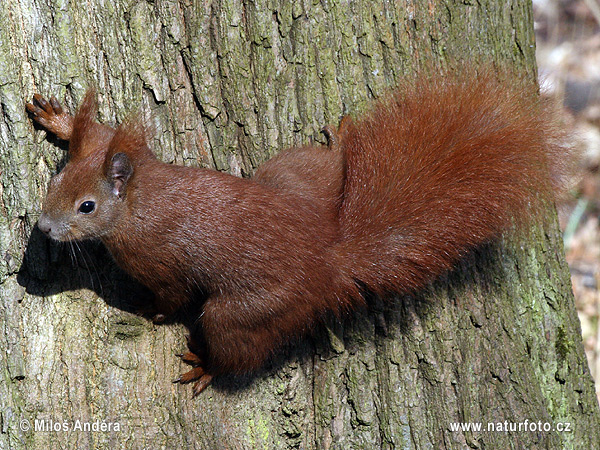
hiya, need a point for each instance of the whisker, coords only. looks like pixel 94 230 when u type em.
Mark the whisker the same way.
pixel 86 256
pixel 72 254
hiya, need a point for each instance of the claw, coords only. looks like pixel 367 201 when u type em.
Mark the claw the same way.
pixel 201 384
pixel 198 374
pixel 149 312
pixel 56 105
pixel 35 110
pixel 43 103
pixel 157 319
pixel 195 374
pixel 191 358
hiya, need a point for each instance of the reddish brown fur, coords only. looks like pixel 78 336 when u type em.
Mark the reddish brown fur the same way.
pixel 401 195
pixel 88 136
pixel 442 167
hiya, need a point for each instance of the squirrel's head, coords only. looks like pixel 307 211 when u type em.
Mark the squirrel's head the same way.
pixel 87 198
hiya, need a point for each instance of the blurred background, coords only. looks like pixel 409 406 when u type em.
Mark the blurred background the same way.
pixel 568 54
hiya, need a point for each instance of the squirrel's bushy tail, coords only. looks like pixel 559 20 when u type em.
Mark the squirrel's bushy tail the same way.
pixel 443 166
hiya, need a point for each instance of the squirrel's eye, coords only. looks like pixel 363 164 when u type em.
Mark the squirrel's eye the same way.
pixel 87 207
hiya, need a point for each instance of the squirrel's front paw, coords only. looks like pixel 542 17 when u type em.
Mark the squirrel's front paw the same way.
pixel 150 312
pixel 51 116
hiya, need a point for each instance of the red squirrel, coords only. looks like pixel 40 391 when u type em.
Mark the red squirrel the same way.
pixel 444 164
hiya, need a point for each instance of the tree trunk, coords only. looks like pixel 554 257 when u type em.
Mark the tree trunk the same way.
pixel 226 84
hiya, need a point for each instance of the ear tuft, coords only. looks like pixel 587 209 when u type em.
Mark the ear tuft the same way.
pixel 84 123
pixel 119 172
pixel 130 138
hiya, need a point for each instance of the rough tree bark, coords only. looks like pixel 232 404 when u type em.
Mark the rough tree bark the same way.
pixel 226 84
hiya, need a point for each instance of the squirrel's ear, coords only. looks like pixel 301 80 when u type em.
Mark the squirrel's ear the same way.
pixel 118 173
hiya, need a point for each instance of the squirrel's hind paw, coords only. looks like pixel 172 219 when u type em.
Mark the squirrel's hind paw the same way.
pixel 197 374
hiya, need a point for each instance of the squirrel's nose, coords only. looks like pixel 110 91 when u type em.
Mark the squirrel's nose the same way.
pixel 44 224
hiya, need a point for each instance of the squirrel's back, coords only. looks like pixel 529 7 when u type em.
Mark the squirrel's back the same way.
pixel 443 166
